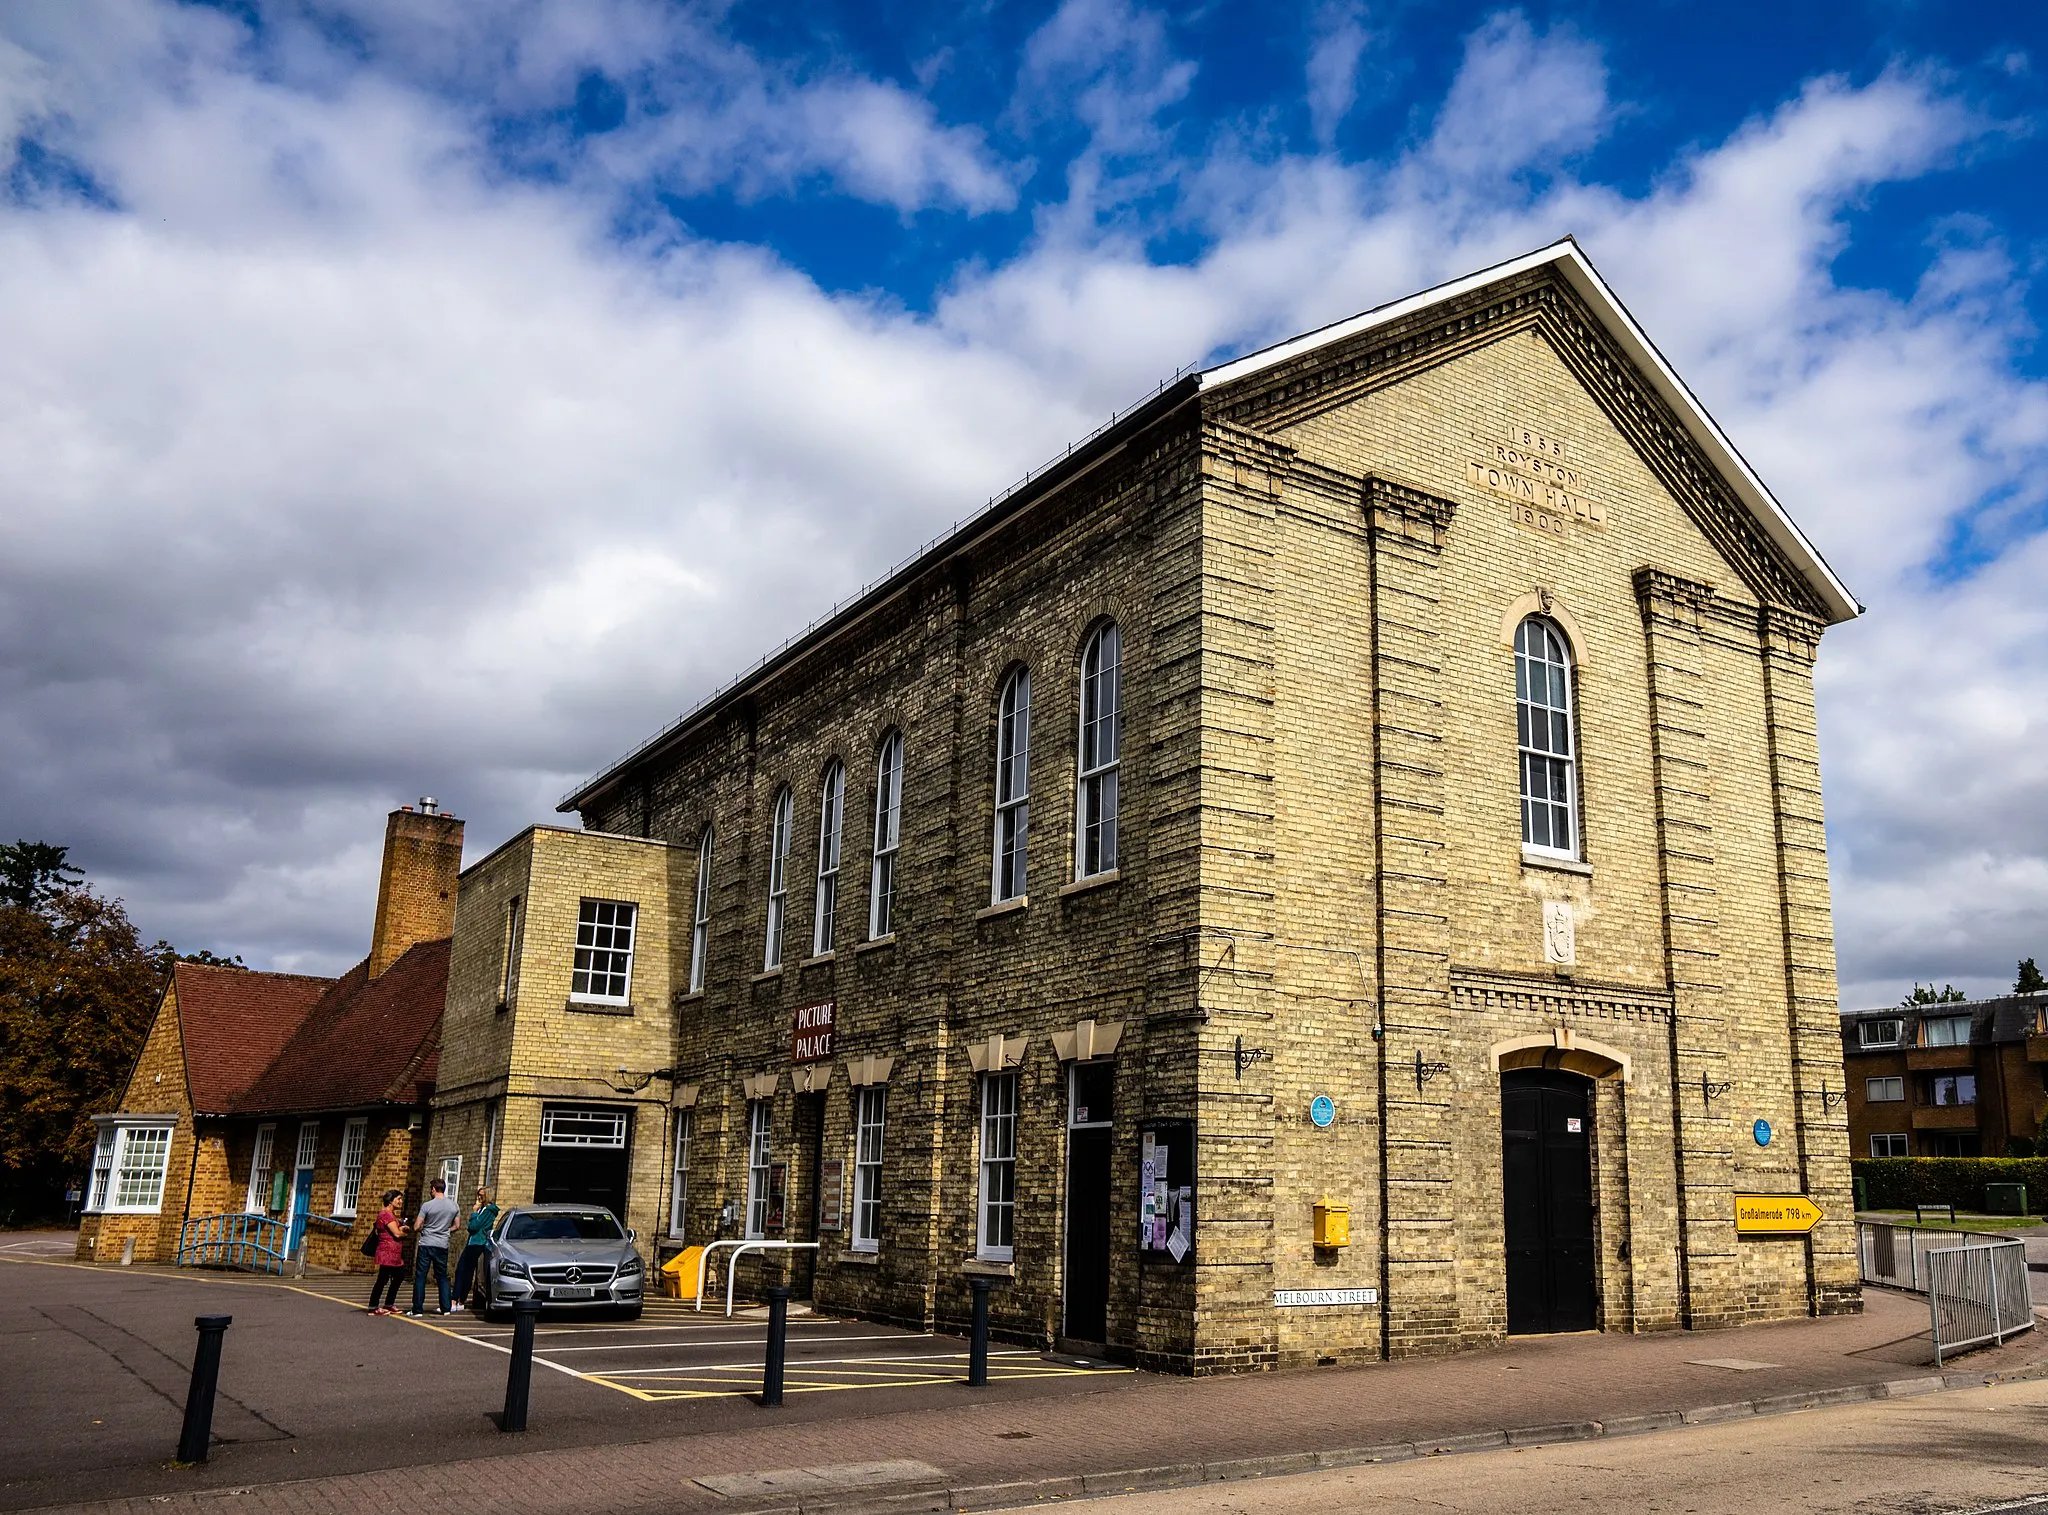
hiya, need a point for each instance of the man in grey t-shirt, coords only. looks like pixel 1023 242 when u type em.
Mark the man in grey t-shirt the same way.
pixel 432 1226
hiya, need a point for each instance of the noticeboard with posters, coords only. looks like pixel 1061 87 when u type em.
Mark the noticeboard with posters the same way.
pixel 1166 1191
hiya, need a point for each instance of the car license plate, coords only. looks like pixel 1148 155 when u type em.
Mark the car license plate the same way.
pixel 566 1293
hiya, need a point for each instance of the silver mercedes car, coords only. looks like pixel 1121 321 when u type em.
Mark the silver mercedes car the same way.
pixel 566 1256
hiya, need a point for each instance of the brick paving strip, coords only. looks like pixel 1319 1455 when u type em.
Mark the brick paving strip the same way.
pixel 987 1453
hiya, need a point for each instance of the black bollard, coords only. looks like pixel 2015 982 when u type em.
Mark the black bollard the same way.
pixel 198 1432
pixel 519 1376
pixel 778 1334
pixel 977 1340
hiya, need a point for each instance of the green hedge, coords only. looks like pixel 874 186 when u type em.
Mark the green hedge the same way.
pixel 1899 1183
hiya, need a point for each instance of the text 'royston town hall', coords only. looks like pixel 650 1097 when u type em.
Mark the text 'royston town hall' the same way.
pixel 1331 868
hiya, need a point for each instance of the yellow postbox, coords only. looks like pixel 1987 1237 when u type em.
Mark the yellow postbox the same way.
pixel 1333 1224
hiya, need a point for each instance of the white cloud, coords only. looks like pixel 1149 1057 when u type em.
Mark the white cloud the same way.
pixel 1332 73
pixel 341 467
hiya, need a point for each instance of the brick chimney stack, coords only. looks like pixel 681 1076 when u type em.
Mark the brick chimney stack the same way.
pixel 416 890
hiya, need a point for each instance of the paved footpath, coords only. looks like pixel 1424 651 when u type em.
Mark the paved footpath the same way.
pixel 947 1447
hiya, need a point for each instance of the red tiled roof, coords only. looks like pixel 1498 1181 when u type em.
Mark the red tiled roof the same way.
pixel 367 1042
pixel 235 1021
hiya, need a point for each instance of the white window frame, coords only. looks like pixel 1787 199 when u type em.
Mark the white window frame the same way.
pixel 508 981
pixel 1949 1023
pixel 781 823
pixel 1936 1080
pixel 1099 751
pixel 1888 1139
pixel 130 1165
pixel 1864 1029
pixel 870 1119
pixel 451 1177
pixel 760 1128
pixel 1886 1089
pixel 1009 875
pixel 1544 755
pixel 888 835
pixel 831 818
pixel 601 925
pixel 257 1200
pixel 348 1172
pixel 700 915
pixel 306 1155
pixel 995 1228
pixel 582 1126
pixel 679 1192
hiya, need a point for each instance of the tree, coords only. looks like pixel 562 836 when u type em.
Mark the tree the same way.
pixel 2029 980
pixel 77 991
pixel 1927 994
pixel 32 873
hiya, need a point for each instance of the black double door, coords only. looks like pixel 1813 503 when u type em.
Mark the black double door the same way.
pixel 1547 1155
pixel 1091 1110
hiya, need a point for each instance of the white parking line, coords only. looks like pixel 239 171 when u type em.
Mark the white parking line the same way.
pixel 645 1346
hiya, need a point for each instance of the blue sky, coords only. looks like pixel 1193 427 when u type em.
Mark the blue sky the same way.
pixel 406 399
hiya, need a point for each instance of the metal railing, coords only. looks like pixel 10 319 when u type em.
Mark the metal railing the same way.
pixel 732 1267
pixel 239 1240
pixel 1977 1294
pixel 1975 1282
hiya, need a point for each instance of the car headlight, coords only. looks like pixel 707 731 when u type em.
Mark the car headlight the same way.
pixel 632 1267
pixel 509 1267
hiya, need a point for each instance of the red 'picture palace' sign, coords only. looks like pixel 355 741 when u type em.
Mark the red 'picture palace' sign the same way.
pixel 810 1036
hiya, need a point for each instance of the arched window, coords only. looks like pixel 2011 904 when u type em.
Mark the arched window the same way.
pixel 1013 785
pixel 831 809
pixel 888 831
pixel 700 915
pixel 778 875
pixel 1101 744
pixel 1543 719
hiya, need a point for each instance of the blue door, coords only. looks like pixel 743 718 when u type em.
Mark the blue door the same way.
pixel 302 1202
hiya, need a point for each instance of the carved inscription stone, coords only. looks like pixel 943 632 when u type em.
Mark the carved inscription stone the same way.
pixel 1534 472
pixel 1560 933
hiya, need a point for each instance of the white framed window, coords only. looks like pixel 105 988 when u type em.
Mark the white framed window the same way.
pixel 869 1111
pixel 1100 751
pixel 1881 1033
pixel 888 832
pixel 1543 722
pixel 1013 786
pixel 309 1145
pixel 451 1177
pixel 258 1198
pixel 700 915
pixel 1889 1090
pixel 348 1177
pixel 996 1228
pixel 1952 1089
pixel 779 827
pixel 580 1126
pixel 1888 1144
pixel 604 952
pixel 508 980
pixel 760 1113
pixel 679 1191
pixel 128 1168
pixel 831 811
pixel 1945 1031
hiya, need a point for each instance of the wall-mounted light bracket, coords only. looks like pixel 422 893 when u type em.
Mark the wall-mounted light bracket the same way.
pixel 1424 1072
pixel 1709 1092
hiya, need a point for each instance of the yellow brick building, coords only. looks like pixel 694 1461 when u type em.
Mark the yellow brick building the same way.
pixel 1331 868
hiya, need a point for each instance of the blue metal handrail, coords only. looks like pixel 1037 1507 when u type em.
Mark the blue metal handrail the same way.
pixel 238 1240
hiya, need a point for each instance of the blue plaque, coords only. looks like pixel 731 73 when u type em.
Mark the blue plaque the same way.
pixel 1763 1133
pixel 1323 1110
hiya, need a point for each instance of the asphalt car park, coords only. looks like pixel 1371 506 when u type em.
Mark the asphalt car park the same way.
pixel 676 1352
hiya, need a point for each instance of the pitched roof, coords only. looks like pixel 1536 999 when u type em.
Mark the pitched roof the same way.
pixel 367 1042
pixel 234 1022
pixel 1563 258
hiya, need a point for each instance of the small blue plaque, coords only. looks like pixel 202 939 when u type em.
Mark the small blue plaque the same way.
pixel 1323 1110
pixel 1763 1133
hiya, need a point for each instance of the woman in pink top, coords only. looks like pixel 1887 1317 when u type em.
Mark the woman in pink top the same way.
pixel 390 1231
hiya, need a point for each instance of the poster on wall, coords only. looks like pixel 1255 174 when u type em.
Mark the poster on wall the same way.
pixel 1166 1190
pixel 778 1192
pixel 832 1194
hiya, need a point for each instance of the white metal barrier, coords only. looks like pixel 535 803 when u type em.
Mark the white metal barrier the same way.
pixel 1977 1294
pixel 732 1267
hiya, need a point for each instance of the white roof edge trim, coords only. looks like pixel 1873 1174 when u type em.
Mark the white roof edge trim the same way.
pixel 1841 604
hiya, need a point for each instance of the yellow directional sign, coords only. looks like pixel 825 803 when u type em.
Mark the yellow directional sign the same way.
pixel 1775 1214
